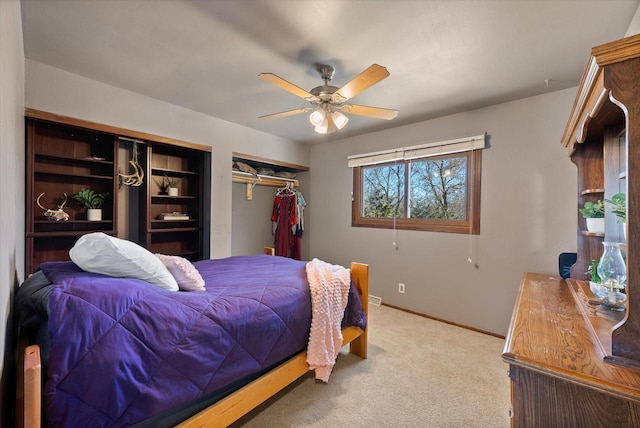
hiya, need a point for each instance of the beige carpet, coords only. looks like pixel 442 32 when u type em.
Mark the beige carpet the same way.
pixel 420 373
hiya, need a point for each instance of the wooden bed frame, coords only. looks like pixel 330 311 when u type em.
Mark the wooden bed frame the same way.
pixel 227 410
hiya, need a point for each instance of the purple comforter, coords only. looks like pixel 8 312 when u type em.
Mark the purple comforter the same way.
pixel 123 350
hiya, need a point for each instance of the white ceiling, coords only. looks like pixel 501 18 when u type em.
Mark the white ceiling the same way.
pixel 444 56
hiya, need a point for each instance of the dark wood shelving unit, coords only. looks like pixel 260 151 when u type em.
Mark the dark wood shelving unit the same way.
pixel 66 154
pixel 168 197
pixel 62 160
pixel 187 238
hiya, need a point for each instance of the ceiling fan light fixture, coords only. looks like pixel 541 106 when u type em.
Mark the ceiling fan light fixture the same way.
pixel 339 119
pixel 323 127
pixel 327 102
pixel 317 117
pixel 331 126
pixel 327 120
pixel 327 126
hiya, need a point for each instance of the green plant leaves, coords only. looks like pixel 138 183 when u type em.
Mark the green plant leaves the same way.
pixel 593 271
pixel 619 201
pixel 90 199
pixel 593 210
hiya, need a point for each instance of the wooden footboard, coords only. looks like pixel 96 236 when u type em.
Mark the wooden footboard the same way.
pixel 230 408
pixel 30 388
pixel 247 398
pixel 358 341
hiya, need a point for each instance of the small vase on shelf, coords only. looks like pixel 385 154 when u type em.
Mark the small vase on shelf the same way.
pixel 595 225
pixel 173 191
pixel 593 212
pixel 94 214
pixel 613 274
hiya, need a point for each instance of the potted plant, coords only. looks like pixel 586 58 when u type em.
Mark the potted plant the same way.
pixel 619 202
pixel 173 182
pixel 162 185
pixel 92 201
pixel 593 212
pixel 168 185
pixel 595 283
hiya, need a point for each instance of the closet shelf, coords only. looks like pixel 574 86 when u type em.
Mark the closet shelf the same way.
pixel 260 180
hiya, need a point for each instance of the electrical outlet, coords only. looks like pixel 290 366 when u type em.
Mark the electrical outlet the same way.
pixel 401 288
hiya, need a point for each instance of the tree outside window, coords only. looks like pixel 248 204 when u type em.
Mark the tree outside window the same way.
pixel 436 193
pixel 383 190
pixel 439 188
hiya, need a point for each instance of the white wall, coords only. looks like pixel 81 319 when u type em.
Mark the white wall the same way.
pixel 57 91
pixel 528 214
pixel 12 169
pixel 252 218
pixel 634 27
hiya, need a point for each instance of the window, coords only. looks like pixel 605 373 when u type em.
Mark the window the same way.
pixel 435 193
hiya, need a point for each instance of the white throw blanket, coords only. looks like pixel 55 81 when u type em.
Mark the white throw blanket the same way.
pixel 329 286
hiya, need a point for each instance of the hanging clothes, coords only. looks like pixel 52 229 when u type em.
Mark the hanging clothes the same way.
pixel 298 228
pixel 300 204
pixel 284 218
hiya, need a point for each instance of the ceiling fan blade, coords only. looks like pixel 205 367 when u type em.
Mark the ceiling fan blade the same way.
pixel 362 81
pixel 378 113
pixel 286 113
pixel 287 86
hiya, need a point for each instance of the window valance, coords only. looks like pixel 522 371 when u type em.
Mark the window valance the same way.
pixel 420 151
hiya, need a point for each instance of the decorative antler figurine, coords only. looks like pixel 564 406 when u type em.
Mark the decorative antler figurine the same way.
pixel 134 179
pixel 57 215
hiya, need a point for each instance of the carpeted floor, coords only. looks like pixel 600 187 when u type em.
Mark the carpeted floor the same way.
pixel 419 373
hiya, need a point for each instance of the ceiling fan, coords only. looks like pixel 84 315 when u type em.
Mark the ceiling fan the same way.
pixel 328 102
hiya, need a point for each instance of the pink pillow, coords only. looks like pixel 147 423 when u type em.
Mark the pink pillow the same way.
pixel 186 274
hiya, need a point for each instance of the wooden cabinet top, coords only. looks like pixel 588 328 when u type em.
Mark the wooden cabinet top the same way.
pixel 549 334
pixel 592 107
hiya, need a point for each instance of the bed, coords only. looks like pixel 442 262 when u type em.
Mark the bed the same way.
pixel 170 385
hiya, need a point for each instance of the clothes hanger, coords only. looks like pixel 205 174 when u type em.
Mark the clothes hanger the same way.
pixel 286 191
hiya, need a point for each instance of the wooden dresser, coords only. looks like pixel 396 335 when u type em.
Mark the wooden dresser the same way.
pixel 568 366
pixel 556 360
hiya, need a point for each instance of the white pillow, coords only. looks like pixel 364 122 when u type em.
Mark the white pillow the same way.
pixel 101 253
pixel 184 272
